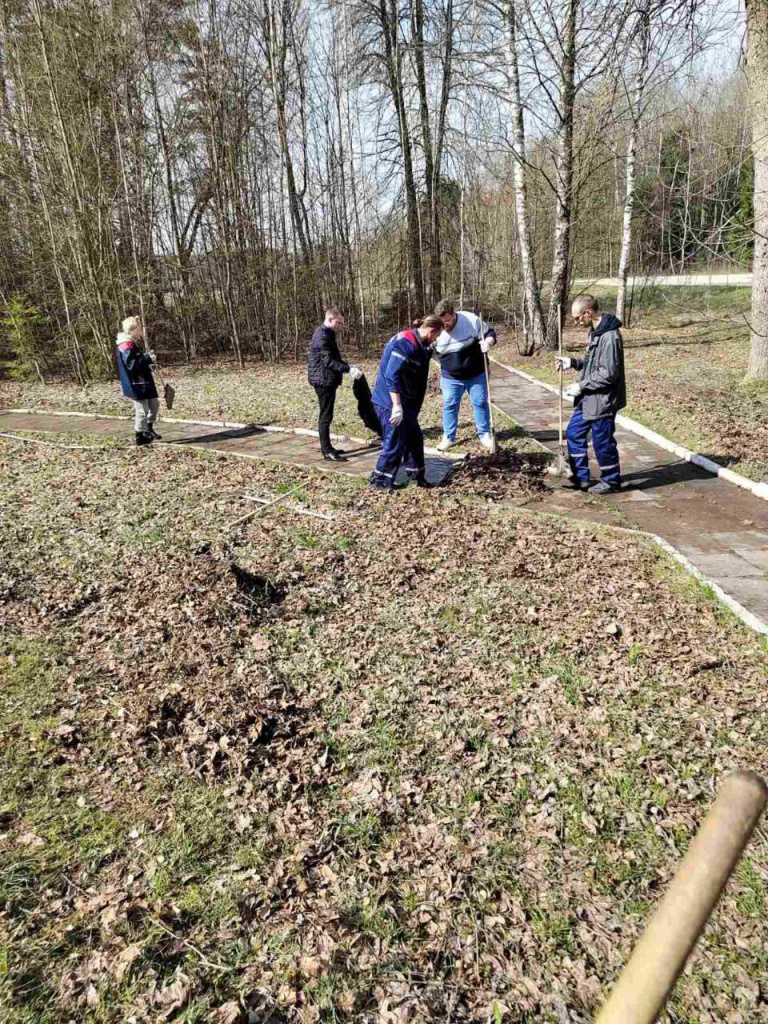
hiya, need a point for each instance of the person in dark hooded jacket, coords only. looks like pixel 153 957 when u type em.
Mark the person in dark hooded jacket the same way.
pixel 598 395
pixel 325 368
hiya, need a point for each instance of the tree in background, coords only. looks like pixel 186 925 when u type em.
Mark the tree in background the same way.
pixel 757 70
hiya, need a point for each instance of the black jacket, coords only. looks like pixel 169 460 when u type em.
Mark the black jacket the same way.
pixel 604 387
pixel 325 365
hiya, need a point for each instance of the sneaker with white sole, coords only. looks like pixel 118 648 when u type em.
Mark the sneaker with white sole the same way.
pixel 486 440
pixel 445 444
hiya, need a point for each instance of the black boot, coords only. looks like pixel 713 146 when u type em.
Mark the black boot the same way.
pixel 423 482
pixel 334 456
pixel 154 434
pixel 142 438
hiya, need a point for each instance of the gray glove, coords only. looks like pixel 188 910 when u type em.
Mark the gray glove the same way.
pixel 563 362
pixel 355 373
pixel 573 390
pixel 397 415
pixel 152 357
pixel 486 344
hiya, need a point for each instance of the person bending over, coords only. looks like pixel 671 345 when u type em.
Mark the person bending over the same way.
pixel 325 369
pixel 598 395
pixel 398 394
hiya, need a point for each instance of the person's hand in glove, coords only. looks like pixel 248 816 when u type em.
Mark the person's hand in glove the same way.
pixel 486 344
pixel 573 390
pixel 397 415
pixel 563 362
pixel 152 357
pixel 355 373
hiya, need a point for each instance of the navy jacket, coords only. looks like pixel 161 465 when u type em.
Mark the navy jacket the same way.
pixel 603 384
pixel 135 369
pixel 404 370
pixel 325 365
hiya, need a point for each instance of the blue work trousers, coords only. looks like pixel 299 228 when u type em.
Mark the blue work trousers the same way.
pixel 401 444
pixel 604 443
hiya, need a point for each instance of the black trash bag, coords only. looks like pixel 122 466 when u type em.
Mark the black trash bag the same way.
pixel 365 409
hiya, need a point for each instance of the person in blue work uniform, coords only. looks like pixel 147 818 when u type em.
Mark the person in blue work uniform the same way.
pixel 398 394
pixel 462 348
pixel 134 365
pixel 598 395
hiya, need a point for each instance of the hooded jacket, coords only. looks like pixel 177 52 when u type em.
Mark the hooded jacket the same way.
pixel 135 369
pixel 603 385
pixel 404 371
pixel 325 365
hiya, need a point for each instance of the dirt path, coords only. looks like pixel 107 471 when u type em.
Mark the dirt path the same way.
pixel 720 528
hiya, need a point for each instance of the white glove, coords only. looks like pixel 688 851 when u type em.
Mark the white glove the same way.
pixel 355 373
pixel 563 362
pixel 573 390
pixel 152 357
pixel 397 415
pixel 486 344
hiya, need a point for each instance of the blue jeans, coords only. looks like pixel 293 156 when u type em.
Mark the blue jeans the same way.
pixel 403 444
pixel 453 392
pixel 604 443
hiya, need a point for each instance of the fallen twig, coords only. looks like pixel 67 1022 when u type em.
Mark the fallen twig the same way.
pixel 292 508
pixel 263 508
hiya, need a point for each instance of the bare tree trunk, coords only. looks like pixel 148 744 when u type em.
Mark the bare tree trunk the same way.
pixel 630 177
pixel 757 70
pixel 563 176
pixel 534 315
pixel 389 21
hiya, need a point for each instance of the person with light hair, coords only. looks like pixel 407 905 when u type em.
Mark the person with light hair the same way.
pixel 325 369
pixel 598 395
pixel 134 366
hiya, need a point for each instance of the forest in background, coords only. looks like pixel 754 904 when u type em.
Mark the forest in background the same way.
pixel 228 168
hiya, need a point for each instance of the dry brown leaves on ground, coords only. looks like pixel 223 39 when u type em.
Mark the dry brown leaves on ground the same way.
pixel 429 762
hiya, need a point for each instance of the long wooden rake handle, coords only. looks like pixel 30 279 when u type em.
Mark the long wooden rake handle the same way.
pixel 665 945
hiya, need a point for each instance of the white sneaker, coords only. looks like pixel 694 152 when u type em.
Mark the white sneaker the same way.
pixel 445 444
pixel 486 440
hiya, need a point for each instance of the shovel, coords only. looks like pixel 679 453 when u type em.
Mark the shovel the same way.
pixel 490 403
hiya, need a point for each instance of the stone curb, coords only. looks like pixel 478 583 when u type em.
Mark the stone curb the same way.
pixel 758 488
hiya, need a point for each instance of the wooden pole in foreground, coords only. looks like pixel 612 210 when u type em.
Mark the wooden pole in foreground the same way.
pixel 665 945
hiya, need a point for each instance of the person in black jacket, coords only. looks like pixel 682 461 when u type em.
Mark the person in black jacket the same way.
pixel 598 395
pixel 324 370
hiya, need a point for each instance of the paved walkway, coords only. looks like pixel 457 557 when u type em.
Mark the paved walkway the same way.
pixel 720 528
pixel 741 279
pixel 254 442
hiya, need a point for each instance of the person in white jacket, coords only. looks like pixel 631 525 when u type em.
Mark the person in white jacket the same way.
pixel 461 348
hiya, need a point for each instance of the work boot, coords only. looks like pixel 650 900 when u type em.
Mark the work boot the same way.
pixel 154 434
pixel 602 487
pixel 334 456
pixel 573 483
pixel 422 482
pixel 445 444
pixel 142 438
